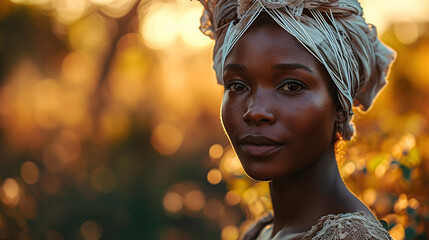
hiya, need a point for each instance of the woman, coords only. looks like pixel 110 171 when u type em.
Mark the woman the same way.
pixel 292 70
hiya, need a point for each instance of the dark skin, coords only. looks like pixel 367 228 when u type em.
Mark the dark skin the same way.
pixel 279 112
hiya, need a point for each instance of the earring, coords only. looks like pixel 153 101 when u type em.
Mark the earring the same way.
pixel 339 127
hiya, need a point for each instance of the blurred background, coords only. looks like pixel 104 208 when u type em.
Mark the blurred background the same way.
pixel 109 125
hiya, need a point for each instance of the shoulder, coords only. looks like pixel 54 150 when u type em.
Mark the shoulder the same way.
pixel 351 226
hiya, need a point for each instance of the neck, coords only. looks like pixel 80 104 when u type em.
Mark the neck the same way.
pixel 301 199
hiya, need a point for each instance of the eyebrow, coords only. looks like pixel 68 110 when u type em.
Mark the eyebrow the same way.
pixel 280 66
pixel 235 67
pixel 291 66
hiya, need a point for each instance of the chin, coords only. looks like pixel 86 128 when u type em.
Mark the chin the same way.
pixel 258 174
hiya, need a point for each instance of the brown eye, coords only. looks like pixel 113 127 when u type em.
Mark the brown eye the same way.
pixel 236 87
pixel 291 87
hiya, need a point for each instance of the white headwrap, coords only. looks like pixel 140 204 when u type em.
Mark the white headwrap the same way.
pixel 333 31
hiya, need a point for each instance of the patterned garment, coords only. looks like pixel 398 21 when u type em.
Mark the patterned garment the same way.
pixel 348 226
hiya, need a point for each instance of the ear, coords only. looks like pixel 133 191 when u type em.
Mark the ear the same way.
pixel 340 116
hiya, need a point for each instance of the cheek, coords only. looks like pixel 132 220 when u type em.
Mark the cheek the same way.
pixel 228 118
pixel 316 120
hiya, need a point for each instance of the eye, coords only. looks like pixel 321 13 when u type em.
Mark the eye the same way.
pixel 235 86
pixel 291 86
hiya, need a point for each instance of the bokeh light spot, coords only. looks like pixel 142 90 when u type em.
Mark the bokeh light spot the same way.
pixel 413 203
pixel 195 200
pixel 117 8
pixel 401 203
pixel 173 202
pixel 231 164
pixel 166 138
pixel 216 151
pixel 232 198
pixel 230 232
pixel 369 196
pixel 69 11
pixel 160 27
pixel 380 170
pixel 90 230
pixel 406 32
pixel 250 195
pixel 190 32
pixel 214 176
pixel 30 172
pixel 11 192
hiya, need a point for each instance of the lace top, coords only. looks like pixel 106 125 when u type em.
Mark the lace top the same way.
pixel 348 226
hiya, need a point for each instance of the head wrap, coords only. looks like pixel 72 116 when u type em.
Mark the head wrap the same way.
pixel 333 31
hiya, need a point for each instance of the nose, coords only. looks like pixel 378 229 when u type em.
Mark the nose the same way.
pixel 258 112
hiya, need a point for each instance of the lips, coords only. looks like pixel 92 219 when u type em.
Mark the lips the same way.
pixel 259 146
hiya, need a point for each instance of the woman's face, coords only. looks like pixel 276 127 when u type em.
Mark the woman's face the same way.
pixel 277 108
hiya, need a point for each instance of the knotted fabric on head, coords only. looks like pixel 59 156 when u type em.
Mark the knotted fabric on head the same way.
pixel 333 31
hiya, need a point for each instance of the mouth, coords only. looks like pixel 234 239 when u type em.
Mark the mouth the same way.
pixel 259 146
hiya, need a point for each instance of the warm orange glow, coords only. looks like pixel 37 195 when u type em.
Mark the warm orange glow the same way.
pixel 102 2
pixel 68 11
pixel 369 196
pixel 380 170
pixel 250 195
pixel 401 203
pixel 115 124
pixel 232 198
pixel 413 203
pixel 127 81
pixel 173 202
pixel 214 176
pixel 79 71
pixel 55 158
pixel 382 13
pixel 230 232
pixel 166 138
pixel 195 200
pixel 397 232
pixel 71 144
pixel 160 27
pixel 406 32
pixel 216 151
pixel 190 24
pixel 46 102
pixel 30 172
pixel 117 8
pixel 11 192
pixel 163 26
pixel 257 207
pixel 230 164
pixel 348 169
pixel 91 230
pixel 101 79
